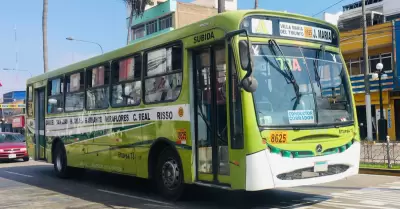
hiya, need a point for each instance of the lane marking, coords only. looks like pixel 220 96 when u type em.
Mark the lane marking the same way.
pixel 135 197
pixel 18 174
pixel 154 205
pixel 387 176
pixel 353 205
pixel 372 202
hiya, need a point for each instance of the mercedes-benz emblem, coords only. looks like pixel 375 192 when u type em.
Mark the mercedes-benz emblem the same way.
pixel 318 148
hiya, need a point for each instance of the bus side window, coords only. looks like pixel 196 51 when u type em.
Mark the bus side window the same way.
pixel 163 74
pixel 126 81
pixel 236 122
pixel 97 91
pixel 75 93
pixel 55 102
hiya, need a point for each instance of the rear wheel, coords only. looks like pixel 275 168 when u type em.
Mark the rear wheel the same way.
pixel 169 175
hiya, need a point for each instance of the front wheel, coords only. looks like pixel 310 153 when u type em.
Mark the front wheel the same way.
pixel 60 161
pixel 26 159
pixel 169 175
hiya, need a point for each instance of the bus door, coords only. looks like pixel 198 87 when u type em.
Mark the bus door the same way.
pixel 40 138
pixel 212 164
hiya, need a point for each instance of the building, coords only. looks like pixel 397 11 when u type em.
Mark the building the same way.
pixel 15 102
pixel 381 34
pixel 166 15
pixel 332 18
pixel 13 96
pixel 377 12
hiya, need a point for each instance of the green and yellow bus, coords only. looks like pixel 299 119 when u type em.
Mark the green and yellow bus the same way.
pixel 244 100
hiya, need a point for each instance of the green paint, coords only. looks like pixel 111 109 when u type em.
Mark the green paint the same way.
pixel 103 149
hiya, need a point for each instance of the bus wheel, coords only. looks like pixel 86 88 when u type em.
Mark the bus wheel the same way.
pixel 169 175
pixel 60 161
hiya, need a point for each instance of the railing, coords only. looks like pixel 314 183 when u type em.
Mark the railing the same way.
pixel 357 82
pixel 377 153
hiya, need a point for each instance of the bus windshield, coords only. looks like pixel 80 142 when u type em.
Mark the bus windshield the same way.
pixel 323 96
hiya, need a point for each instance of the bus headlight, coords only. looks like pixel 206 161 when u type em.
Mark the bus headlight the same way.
pixel 23 149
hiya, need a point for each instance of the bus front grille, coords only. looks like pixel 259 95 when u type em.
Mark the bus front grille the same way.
pixel 306 173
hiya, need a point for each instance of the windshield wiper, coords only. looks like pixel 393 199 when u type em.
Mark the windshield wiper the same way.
pixel 316 65
pixel 288 74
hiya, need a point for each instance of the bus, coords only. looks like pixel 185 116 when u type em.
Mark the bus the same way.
pixel 244 100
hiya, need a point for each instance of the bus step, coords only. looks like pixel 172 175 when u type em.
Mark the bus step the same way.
pixel 212 185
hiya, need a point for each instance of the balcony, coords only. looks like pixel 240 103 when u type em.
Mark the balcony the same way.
pixel 358 85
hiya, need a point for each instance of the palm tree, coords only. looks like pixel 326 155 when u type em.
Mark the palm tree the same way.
pixel 137 8
pixel 44 30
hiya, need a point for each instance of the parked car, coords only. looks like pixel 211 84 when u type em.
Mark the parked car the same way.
pixel 13 146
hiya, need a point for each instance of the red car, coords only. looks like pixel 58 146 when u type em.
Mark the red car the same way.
pixel 13 146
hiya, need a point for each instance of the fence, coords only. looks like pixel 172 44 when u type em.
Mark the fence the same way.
pixel 377 153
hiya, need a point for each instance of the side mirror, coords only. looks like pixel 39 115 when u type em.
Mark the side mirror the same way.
pixel 249 83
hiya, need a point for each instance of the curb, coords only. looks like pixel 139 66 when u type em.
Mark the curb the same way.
pixel 377 171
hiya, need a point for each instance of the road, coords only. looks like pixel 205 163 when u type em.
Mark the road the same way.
pixel 33 185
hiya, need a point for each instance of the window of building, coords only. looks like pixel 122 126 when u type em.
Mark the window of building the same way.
pixel 75 93
pixel 163 75
pixel 166 22
pixel 97 92
pixel 126 81
pixel 386 60
pixel 356 66
pixel 151 27
pixel 55 101
pixel 138 32
pixel 373 61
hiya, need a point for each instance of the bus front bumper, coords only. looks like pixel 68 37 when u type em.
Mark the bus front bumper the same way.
pixel 266 170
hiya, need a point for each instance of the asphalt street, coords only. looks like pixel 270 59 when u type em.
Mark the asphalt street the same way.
pixel 33 185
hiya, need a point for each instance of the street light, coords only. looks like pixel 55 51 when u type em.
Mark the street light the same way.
pixel 382 122
pixel 73 39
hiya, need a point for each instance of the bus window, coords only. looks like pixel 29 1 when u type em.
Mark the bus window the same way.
pixel 75 93
pixel 163 81
pixel 97 87
pixel 55 102
pixel 126 80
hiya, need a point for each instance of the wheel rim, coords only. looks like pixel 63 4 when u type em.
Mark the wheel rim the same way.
pixel 58 163
pixel 171 174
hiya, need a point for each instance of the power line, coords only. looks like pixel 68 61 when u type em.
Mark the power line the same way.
pixel 328 7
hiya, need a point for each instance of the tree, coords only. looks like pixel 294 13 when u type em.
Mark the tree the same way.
pixel 44 31
pixel 137 8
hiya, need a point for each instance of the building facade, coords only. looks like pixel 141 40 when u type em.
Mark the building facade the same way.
pixel 166 15
pixel 382 32
pixel 11 111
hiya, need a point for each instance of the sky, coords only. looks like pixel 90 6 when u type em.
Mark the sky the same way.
pixel 101 21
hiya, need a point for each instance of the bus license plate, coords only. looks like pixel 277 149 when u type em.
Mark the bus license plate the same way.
pixel 12 156
pixel 320 166
pixel 278 137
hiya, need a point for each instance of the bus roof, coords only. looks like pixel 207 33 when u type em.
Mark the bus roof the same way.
pixel 226 21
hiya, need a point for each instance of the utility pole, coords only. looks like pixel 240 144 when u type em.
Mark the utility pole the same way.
pixel 221 6
pixel 255 4
pixel 366 76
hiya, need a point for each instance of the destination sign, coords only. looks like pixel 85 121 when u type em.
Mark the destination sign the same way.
pixel 289 28
pixel 305 32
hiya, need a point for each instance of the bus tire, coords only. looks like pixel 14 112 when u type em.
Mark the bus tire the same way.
pixel 60 161
pixel 169 175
